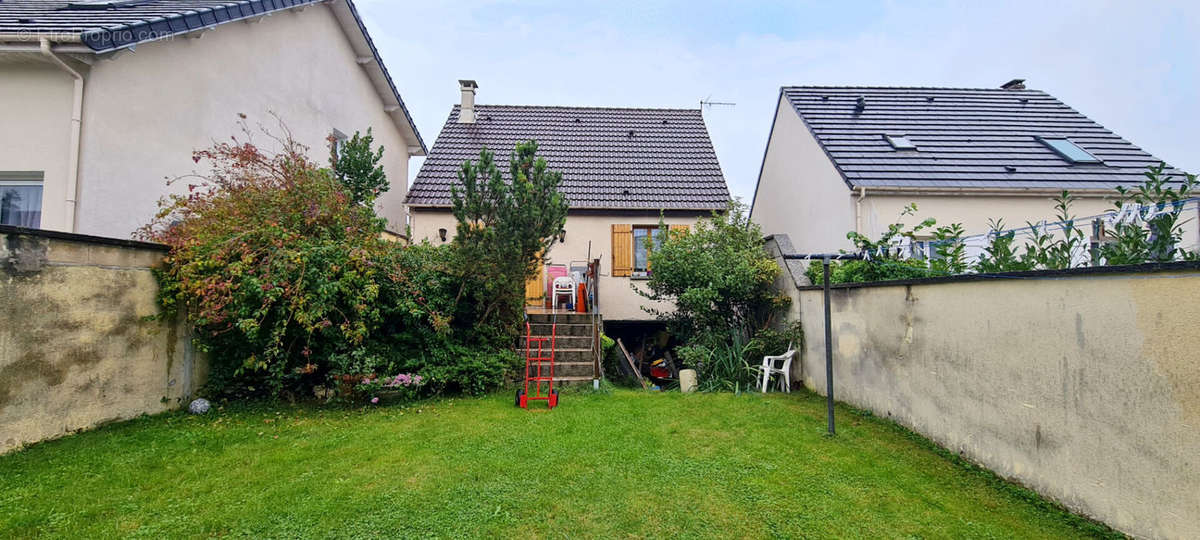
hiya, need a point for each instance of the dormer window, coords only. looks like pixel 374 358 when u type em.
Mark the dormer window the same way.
pixel 900 142
pixel 1068 150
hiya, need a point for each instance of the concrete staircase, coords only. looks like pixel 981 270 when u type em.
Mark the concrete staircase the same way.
pixel 575 357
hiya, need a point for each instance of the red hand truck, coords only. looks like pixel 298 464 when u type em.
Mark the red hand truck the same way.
pixel 537 375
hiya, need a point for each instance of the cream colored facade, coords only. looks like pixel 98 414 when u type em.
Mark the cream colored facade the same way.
pixel 146 110
pixel 801 194
pixel 618 301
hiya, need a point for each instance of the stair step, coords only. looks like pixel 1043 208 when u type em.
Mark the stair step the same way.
pixel 564 342
pixel 564 329
pixel 571 318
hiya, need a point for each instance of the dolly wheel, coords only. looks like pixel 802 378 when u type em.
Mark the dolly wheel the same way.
pixel 553 401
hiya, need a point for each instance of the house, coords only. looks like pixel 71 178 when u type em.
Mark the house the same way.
pixel 622 169
pixel 845 159
pixel 103 100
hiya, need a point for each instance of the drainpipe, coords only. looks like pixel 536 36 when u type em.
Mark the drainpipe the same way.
pixel 76 129
pixel 862 193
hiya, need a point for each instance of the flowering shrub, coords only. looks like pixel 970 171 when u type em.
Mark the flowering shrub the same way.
pixel 287 284
pixel 278 271
pixel 402 387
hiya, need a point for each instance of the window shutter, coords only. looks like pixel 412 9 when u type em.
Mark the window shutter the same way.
pixel 679 229
pixel 622 250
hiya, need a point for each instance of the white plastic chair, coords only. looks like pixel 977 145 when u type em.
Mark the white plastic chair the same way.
pixel 770 367
pixel 562 285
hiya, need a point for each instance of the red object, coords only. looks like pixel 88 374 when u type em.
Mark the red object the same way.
pixel 537 376
pixel 581 298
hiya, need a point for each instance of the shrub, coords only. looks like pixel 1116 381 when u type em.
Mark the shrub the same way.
pixel 277 270
pixel 719 277
pixel 357 167
pixel 503 229
pixel 1137 239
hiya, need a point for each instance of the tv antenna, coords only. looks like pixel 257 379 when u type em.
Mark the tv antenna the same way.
pixel 709 103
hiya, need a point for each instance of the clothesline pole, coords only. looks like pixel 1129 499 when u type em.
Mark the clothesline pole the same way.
pixel 825 258
pixel 828 349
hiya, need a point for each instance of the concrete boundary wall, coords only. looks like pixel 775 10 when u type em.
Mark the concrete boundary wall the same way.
pixel 77 346
pixel 1084 386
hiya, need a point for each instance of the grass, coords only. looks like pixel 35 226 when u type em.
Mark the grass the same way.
pixel 601 465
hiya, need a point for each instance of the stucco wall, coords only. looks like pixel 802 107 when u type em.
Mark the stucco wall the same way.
pixel 618 300
pixel 35 112
pixel 799 191
pixel 145 111
pixel 75 348
pixel 1084 388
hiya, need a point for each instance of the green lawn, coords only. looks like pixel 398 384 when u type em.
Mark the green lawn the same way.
pixel 600 465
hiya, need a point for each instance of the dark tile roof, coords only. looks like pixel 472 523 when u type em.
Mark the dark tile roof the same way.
pixel 965 138
pixel 110 25
pixel 610 158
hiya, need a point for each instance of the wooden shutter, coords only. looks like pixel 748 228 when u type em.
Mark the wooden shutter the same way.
pixel 622 250
pixel 678 229
pixel 535 288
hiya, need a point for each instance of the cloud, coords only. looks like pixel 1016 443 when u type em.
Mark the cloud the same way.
pixel 1130 66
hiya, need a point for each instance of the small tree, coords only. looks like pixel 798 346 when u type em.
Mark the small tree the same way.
pixel 719 277
pixel 504 226
pixel 358 168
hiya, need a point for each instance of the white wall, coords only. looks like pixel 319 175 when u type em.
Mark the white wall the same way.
pixel 145 111
pixel 35 128
pixel 799 192
pixel 618 301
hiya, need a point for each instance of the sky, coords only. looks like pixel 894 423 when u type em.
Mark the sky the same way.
pixel 1131 66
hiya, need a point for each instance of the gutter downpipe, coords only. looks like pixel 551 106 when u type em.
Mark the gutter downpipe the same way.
pixel 76 130
pixel 862 194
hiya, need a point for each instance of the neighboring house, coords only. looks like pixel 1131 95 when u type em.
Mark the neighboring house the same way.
pixel 622 169
pixel 845 159
pixel 103 100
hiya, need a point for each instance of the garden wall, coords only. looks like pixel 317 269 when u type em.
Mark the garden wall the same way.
pixel 76 347
pixel 1083 385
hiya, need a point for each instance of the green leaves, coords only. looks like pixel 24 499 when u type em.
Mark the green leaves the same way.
pixel 718 276
pixel 358 168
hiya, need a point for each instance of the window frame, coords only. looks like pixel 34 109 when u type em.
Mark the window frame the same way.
pixel 27 179
pixel 652 231
pixel 1048 142
pixel 900 142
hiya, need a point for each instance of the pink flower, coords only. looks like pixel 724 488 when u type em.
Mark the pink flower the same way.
pixel 374 400
pixel 366 381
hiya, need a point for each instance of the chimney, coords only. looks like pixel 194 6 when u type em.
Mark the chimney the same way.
pixel 466 114
pixel 1015 84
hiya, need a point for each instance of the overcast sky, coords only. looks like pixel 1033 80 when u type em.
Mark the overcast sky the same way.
pixel 1131 66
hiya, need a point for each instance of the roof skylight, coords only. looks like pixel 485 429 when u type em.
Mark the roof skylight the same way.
pixel 1068 150
pixel 900 142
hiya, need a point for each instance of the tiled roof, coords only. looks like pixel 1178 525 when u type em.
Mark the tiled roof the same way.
pixel 109 25
pixel 610 158
pixel 964 138
pixel 105 26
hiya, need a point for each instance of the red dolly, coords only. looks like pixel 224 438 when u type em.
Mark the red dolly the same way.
pixel 536 376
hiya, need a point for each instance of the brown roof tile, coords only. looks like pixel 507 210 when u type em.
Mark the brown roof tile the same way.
pixel 611 158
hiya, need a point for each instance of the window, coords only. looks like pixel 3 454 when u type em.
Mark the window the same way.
pixel 900 142
pixel 632 246
pixel 339 140
pixel 1068 150
pixel 21 199
pixel 645 239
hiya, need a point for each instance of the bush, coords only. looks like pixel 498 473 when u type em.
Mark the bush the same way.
pixel 719 277
pixel 277 270
pixel 287 283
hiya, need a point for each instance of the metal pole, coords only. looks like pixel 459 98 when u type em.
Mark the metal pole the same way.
pixel 828 350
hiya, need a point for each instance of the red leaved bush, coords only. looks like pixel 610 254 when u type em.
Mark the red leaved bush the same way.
pixel 279 272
